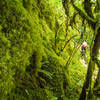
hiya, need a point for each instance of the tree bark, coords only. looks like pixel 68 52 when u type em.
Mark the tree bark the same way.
pixel 87 83
pixel 96 58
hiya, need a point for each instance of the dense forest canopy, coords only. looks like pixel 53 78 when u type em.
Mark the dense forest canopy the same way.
pixel 41 55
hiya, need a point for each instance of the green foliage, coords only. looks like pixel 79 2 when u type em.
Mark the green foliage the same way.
pixel 18 42
pixel 32 65
pixel 53 98
pixel 46 73
pixel 77 74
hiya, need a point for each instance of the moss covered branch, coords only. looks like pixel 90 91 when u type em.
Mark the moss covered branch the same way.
pixel 84 15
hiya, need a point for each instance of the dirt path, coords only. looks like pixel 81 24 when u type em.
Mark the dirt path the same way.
pixel 95 71
pixel 83 62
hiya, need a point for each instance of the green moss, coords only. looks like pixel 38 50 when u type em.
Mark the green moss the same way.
pixel 19 40
pixel 27 37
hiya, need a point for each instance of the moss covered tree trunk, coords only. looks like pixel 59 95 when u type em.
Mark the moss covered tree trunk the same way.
pixel 87 83
pixel 27 4
pixel 96 58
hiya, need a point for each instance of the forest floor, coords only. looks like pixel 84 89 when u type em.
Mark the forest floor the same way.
pixel 84 62
pixel 78 70
pixel 86 65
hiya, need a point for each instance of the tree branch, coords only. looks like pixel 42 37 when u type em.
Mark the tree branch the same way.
pixel 68 42
pixel 87 7
pixel 84 15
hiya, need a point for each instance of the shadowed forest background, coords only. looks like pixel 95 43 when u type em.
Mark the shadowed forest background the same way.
pixel 40 44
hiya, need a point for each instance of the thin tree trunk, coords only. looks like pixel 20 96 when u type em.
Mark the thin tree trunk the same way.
pixel 88 80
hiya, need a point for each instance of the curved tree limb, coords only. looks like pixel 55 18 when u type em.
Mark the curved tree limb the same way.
pixel 68 42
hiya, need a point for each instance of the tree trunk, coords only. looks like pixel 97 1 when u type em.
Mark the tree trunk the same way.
pixel 96 58
pixel 87 83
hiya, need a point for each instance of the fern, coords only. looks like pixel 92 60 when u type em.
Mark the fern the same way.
pixel 46 73
pixel 53 98
pixel 44 63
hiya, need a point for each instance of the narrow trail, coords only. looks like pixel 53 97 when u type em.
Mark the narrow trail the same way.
pixel 83 62
pixel 86 66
